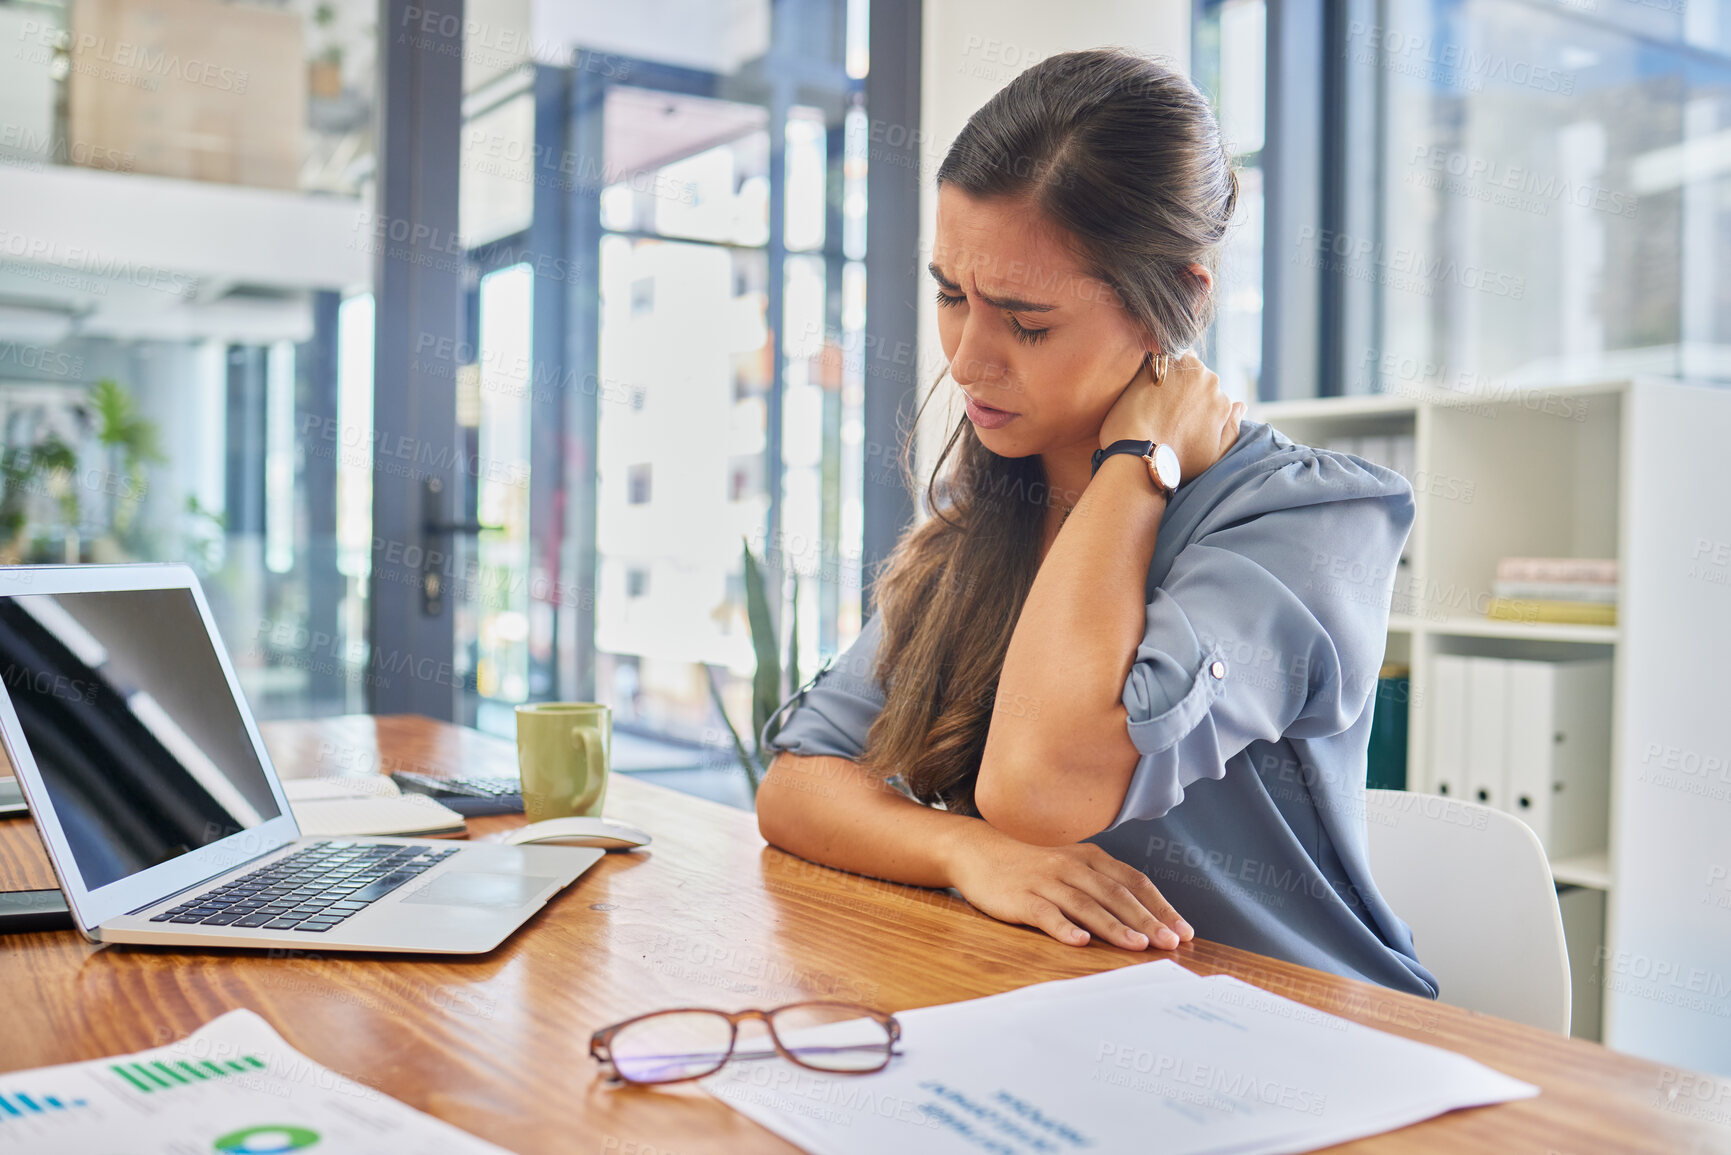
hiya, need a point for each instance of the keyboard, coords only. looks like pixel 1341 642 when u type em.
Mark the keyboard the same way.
pixel 312 889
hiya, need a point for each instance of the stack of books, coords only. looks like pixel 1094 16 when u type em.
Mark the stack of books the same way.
pixel 1582 590
pixel 1385 760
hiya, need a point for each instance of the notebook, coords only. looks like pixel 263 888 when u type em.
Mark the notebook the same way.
pixel 342 807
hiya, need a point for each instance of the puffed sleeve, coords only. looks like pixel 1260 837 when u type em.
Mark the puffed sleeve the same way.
pixel 1271 621
pixel 832 713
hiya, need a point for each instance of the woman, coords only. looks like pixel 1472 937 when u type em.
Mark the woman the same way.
pixel 1116 708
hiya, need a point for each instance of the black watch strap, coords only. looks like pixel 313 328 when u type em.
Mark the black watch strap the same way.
pixel 1139 448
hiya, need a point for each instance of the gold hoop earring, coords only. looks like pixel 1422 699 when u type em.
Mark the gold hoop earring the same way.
pixel 1159 365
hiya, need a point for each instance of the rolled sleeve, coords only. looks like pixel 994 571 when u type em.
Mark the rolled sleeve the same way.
pixel 1271 621
pixel 1158 716
pixel 833 712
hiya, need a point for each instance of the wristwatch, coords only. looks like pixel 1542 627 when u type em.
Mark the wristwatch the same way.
pixel 1161 459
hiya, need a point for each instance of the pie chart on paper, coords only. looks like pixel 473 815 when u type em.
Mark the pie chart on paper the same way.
pixel 267 1140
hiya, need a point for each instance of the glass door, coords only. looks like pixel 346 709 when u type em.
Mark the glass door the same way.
pixel 666 264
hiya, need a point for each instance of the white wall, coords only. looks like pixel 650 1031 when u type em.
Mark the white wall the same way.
pixel 972 48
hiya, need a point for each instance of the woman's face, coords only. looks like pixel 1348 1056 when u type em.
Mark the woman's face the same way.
pixel 1039 348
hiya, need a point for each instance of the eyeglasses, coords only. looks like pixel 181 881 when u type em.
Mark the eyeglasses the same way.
pixel 674 1046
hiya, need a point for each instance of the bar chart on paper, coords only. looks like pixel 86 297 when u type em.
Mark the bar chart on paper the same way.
pixel 104 1092
pixel 157 1075
pixel 19 1105
pixel 233 1087
pixel 38 1113
pixel 30 1119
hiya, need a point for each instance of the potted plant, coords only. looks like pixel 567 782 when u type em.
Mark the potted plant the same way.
pixel 768 690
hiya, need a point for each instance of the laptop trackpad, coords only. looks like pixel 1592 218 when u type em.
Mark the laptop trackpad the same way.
pixel 480 889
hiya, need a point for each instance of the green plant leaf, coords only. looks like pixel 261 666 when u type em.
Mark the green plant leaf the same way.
pixel 766 683
pixel 51 454
pixel 792 657
pixel 746 762
pixel 120 427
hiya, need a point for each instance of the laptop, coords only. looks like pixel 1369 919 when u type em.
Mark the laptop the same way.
pixel 163 815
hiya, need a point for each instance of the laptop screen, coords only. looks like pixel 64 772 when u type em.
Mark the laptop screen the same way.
pixel 125 708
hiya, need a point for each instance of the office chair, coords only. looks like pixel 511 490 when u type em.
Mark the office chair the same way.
pixel 1476 888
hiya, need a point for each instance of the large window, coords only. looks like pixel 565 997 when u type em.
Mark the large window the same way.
pixel 728 420
pixel 1501 194
pixel 467 397
pixel 1232 68
pixel 186 314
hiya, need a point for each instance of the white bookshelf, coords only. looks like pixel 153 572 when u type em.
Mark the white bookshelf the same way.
pixel 1631 469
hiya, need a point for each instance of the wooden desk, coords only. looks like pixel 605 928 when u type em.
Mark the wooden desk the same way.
pixel 498 1045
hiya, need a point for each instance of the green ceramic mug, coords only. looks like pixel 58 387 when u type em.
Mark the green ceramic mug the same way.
pixel 563 753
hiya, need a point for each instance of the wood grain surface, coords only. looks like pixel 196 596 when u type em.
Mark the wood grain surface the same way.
pixel 710 915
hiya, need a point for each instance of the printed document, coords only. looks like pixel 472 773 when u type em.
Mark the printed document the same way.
pixel 232 1087
pixel 1143 1058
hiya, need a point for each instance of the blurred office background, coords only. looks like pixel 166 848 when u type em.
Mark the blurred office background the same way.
pixel 631 242
pixel 461 347
pixel 464 347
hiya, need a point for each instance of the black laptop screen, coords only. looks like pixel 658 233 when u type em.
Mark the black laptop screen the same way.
pixel 125 708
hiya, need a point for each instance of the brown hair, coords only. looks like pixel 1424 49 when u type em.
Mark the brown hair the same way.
pixel 1123 155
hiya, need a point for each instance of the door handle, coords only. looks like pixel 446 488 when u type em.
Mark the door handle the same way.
pixel 434 528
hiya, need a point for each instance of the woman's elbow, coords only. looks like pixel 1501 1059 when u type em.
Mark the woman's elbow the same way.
pixel 1044 801
pixel 774 805
pixel 799 794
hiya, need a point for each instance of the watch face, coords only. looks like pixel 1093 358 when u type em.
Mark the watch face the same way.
pixel 1166 466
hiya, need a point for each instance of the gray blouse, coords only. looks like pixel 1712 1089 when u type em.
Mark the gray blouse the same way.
pixel 1249 701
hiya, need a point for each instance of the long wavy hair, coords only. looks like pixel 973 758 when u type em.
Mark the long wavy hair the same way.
pixel 1123 155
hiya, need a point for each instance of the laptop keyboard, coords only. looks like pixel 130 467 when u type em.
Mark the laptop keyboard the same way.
pixel 312 889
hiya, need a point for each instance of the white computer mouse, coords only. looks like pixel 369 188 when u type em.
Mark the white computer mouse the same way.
pixel 603 833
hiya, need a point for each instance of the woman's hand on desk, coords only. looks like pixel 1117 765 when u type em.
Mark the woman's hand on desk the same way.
pixel 1069 892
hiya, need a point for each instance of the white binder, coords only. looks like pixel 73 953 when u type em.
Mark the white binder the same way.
pixel 1448 725
pixel 1486 730
pixel 1559 751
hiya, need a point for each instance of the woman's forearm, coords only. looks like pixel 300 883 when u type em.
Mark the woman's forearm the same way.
pixel 831 810
pixel 1058 756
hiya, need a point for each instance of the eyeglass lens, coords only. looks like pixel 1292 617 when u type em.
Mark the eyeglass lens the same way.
pixel 677 1045
pixel 832 1038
